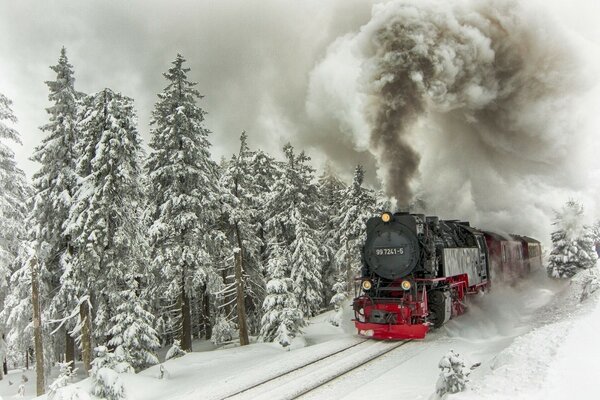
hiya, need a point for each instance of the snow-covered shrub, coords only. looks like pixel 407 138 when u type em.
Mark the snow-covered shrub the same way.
pixel 106 368
pixel 337 301
pixel 589 281
pixel 175 351
pixel 572 243
pixel 223 331
pixel 453 375
pixel 283 336
pixel 64 378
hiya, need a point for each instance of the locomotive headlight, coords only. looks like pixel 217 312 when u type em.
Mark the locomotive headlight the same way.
pixel 366 285
pixel 386 217
pixel 406 285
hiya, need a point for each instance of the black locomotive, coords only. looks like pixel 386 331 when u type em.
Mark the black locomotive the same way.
pixel 417 271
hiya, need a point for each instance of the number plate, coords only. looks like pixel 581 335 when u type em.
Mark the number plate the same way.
pixel 389 251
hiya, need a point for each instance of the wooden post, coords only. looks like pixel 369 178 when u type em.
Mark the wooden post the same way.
pixel 37 328
pixel 239 288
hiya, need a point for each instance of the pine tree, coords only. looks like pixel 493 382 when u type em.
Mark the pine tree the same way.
pixel 105 373
pixel 572 243
pixel 55 184
pixel 306 260
pixel 12 195
pixel 331 191
pixel 104 221
pixel 282 318
pixel 12 214
pixel 357 206
pixel 182 195
pixel 295 210
pixel 132 328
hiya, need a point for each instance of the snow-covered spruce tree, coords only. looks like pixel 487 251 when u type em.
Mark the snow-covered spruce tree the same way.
pixel 182 195
pixel 331 189
pixel 453 375
pixel 223 331
pixel 133 329
pixel 54 186
pixel 572 243
pixel 357 206
pixel 305 260
pixel 282 318
pixel 242 215
pixel 105 373
pixel 13 195
pixel 294 206
pixel 175 350
pixel 104 222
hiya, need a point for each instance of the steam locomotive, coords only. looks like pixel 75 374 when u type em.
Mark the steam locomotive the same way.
pixel 418 270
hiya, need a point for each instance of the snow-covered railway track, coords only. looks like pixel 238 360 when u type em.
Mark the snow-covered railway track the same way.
pixel 302 380
pixel 289 371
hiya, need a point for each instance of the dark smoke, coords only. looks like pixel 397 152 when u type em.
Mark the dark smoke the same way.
pixel 479 63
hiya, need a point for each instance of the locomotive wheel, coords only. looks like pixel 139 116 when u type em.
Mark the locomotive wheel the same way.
pixel 437 307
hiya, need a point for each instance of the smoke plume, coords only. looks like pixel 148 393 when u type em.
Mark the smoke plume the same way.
pixel 467 105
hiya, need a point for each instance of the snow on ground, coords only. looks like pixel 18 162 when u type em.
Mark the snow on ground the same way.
pixel 534 341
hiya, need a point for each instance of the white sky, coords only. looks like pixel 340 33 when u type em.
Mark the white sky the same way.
pixel 251 58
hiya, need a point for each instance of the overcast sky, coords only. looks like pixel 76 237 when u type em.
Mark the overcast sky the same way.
pixel 253 60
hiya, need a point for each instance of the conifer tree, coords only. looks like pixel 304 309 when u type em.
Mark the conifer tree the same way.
pixel 357 206
pixel 104 221
pixel 572 243
pixel 54 185
pixel 182 195
pixel 12 195
pixel 132 328
pixel 12 214
pixel 240 209
pixel 331 191
pixel 282 318
pixel 294 211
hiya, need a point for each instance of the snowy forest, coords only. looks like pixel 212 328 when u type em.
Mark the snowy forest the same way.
pixel 117 248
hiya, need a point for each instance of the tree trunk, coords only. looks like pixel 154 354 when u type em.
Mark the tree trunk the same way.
pixel 86 336
pixel 69 349
pixel 37 328
pixel 239 289
pixel 206 315
pixel 186 320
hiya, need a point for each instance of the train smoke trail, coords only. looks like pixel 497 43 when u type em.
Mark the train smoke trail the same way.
pixel 465 95
pixel 479 63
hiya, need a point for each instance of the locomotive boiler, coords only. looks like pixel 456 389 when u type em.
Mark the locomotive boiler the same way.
pixel 418 270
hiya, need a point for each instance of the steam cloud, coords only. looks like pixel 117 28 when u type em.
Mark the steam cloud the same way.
pixel 470 107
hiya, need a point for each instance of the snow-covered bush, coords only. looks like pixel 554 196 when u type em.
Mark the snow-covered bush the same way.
pixel 572 243
pixel 106 368
pixel 175 351
pixel 337 301
pixel 223 331
pixel 453 375
pixel 589 281
pixel 64 378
